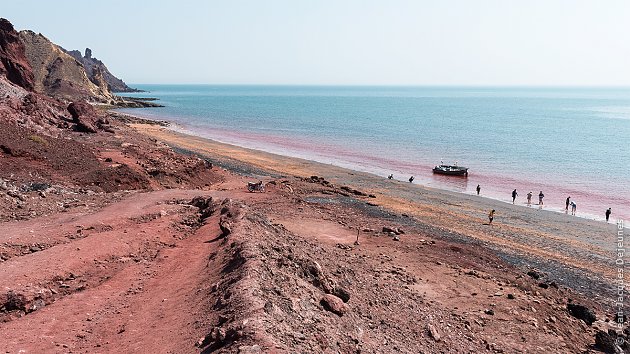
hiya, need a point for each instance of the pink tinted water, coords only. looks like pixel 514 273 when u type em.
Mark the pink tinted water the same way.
pixel 497 186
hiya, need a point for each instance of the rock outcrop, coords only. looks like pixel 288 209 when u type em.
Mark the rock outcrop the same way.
pixel 58 74
pixel 85 117
pixel 97 71
pixel 30 62
pixel 99 80
pixel 13 62
pixel 334 304
pixel 38 79
pixel 19 102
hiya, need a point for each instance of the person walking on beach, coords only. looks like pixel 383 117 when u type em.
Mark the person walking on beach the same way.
pixel 411 179
pixel 608 212
pixel 573 207
pixel 514 194
pixel 491 216
pixel 478 189
pixel 540 198
pixel 529 199
pixel 567 204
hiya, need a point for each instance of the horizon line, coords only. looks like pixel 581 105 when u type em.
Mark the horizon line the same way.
pixel 394 85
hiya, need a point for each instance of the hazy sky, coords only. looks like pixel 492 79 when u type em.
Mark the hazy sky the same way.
pixel 441 42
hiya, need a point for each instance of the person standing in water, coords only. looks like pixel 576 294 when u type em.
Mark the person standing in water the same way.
pixel 540 198
pixel 529 199
pixel 567 204
pixel 573 207
pixel 608 212
pixel 491 216
pixel 478 189
pixel 391 176
pixel 411 179
pixel 514 194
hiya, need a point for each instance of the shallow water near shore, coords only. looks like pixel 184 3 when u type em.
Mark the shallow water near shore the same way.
pixel 565 142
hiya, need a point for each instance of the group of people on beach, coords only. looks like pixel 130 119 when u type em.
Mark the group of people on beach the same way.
pixel 541 195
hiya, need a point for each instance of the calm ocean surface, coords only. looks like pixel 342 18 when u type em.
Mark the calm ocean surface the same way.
pixel 564 141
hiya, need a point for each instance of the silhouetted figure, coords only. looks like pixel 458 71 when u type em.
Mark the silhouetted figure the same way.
pixel 411 179
pixel 478 189
pixel 573 207
pixel 514 194
pixel 391 176
pixel 540 198
pixel 608 212
pixel 566 207
pixel 529 199
pixel 491 216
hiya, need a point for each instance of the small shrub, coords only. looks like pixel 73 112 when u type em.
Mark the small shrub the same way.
pixel 38 139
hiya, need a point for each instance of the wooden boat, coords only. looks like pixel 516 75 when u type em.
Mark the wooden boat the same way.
pixel 451 170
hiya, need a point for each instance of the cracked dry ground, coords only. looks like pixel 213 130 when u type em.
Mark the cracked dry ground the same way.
pixel 144 274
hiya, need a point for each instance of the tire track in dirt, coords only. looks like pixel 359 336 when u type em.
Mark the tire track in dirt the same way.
pixel 74 294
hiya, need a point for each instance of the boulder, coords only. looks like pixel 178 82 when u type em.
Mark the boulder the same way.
pixel 606 343
pixel 341 293
pixel 433 332
pixel 216 336
pixel 334 304
pixel 201 202
pixel 353 191
pixel 535 274
pixel 12 301
pixel 387 229
pixel 205 205
pixel 582 312
pixel 84 116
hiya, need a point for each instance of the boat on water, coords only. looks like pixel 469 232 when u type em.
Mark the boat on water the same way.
pixel 451 170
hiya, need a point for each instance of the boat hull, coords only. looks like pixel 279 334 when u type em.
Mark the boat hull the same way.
pixel 451 171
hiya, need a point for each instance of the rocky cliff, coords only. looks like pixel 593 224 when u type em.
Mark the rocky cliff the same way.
pixel 58 74
pixel 38 79
pixel 96 69
pixel 13 62
pixel 18 103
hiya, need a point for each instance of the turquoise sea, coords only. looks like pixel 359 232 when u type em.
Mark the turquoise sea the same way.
pixel 564 141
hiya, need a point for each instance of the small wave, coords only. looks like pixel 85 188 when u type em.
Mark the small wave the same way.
pixel 612 112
